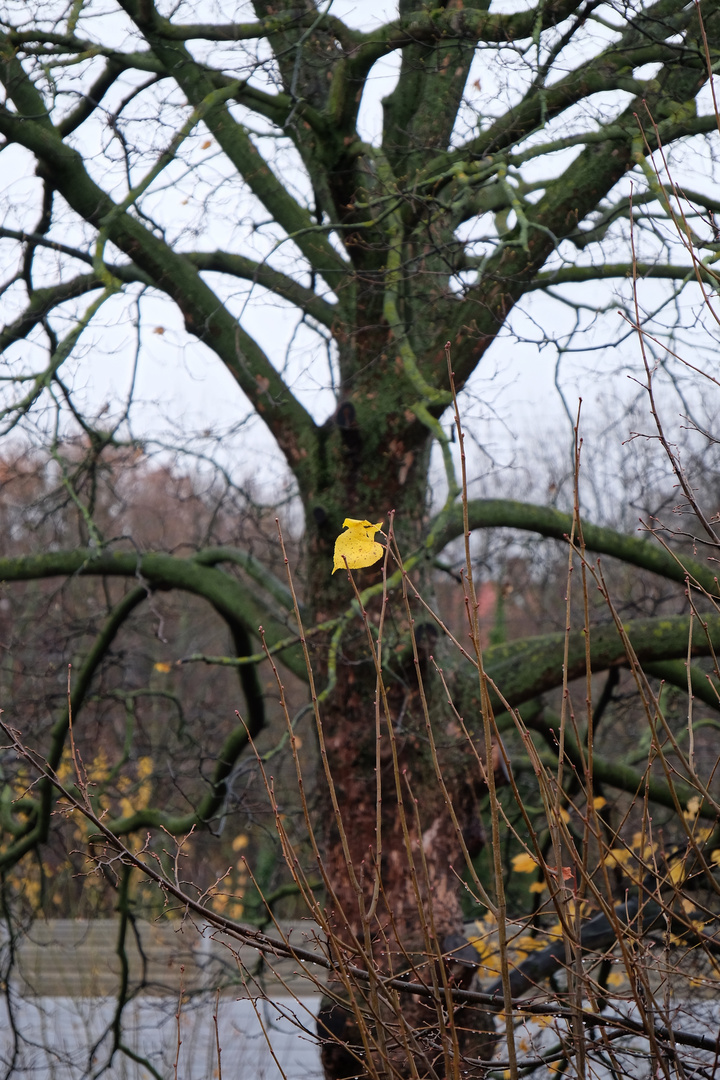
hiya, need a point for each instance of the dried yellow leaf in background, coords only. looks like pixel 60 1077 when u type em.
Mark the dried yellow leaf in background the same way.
pixel 357 545
pixel 524 864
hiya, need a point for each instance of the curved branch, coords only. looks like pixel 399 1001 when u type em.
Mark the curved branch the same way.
pixel 640 913
pixel 295 19
pixel 236 604
pixel 92 97
pixel 211 803
pixel 457 23
pixel 35 830
pixel 225 262
pixel 599 933
pixel 228 754
pixel 526 668
pixel 69 43
pixel 274 107
pixel 159 572
pixel 506 513
pixel 252 565
pixel 613 773
pixel 675 673
pixel 644 40
pixel 575 274
pixel 204 313
pixel 38 240
pixel 44 300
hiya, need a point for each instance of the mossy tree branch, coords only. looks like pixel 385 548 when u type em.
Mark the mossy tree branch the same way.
pixel 528 667
pixel 238 605
pixel 614 774
pixel 34 829
pixel 547 521
pixel 204 313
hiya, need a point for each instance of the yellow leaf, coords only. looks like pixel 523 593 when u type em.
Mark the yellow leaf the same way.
pixel 618 857
pixel 599 802
pixel 537 887
pixel 524 864
pixel 357 545
pixel 529 944
pixel 481 947
pixel 145 765
pixel 641 844
pixel 676 873
pixel 161 665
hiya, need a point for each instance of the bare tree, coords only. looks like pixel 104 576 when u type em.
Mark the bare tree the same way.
pixel 404 259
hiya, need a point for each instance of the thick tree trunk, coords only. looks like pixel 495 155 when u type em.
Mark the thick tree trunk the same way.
pixel 401 893
pixel 393 905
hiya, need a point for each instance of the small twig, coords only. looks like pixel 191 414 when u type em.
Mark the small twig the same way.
pixel 177 1021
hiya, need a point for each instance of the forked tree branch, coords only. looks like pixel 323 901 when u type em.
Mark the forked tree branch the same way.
pixel 204 313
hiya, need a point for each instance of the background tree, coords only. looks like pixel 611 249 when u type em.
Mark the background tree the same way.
pixel 396 253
